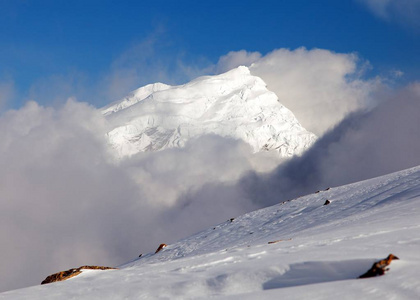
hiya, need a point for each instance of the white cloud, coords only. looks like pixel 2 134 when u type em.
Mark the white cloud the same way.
pixel 378 7
pixel 235 59
pixel 406 12
pixel 365 144
pixel 319 86
pixel 58 87
pixel 7 92
pixel 65 202
pixel 151 60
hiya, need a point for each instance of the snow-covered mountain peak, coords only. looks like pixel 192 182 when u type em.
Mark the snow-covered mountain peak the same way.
pixel 235 104
pixel 134 97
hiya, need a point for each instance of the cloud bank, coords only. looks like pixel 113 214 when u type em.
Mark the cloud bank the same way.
pixel 66 202
pixel 365 144
pixel 319 86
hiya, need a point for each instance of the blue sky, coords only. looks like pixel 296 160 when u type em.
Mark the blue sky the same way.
pixel 50 50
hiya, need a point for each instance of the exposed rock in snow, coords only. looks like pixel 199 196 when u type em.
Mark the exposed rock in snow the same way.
pixel 379 268
pixel 234 104
pixel 64 275
pixel 161 246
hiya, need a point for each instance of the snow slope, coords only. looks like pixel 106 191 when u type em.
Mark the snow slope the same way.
pixel 234 104
pixel 321 252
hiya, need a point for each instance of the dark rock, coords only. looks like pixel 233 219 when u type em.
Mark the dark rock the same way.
pixel 327 202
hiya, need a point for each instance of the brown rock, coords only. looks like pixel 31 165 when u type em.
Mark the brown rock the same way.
pixel 273 242
pixel 327 202
pixel 379 268
pixel 161 246
pixel 60 276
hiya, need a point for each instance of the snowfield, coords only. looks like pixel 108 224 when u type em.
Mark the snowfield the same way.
pixel 235 104
pixel 319 253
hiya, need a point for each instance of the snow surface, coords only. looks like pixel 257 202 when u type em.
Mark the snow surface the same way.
pixel 234 104
pixel 323 250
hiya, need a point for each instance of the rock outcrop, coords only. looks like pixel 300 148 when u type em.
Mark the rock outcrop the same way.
pixel 63 275
pixel 161 246
pixel 379 268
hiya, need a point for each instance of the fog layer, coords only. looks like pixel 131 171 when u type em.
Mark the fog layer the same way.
pixel 66 202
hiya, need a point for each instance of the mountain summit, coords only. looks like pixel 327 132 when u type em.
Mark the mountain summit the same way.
pixel 235 104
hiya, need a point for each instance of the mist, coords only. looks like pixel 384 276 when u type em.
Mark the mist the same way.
pixel 365 144
pixel 319 86
pixel 66 201
pixel 404 12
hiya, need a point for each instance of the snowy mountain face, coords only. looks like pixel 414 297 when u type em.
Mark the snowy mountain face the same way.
pixel 234 104
pixel 297 249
